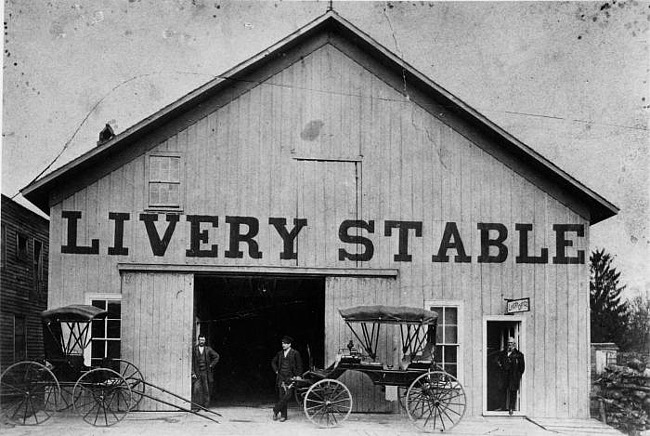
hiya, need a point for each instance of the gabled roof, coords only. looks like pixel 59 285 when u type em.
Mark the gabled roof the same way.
pixel 38 191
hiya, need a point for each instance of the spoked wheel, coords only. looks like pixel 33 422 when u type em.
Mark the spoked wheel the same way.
pixel 29 393
pixel 328 403
pixel 134 378
pixel 102 397
pixel 435 401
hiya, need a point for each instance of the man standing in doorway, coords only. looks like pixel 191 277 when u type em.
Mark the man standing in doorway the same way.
pixel 203 362
pixel 511 364
pixel 287 366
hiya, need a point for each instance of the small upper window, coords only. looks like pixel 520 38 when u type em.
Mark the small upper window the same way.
pixel 164 187
pixel 22 246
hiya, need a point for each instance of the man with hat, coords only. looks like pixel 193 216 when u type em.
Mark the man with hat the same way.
pixel 287 365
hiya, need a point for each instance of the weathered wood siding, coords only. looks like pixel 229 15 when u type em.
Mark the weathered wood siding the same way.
pixel 325 138
pixel 157 333
pixel 20 294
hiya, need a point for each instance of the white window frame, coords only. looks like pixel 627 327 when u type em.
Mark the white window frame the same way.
pixel 148 181
pixel 458 305
pixel 89 300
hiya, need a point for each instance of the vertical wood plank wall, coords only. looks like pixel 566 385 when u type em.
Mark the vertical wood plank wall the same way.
pixel 157 312
pixel 371 154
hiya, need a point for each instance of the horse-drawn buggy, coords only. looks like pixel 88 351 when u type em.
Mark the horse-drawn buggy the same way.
pixel 434 400
pixel 31 391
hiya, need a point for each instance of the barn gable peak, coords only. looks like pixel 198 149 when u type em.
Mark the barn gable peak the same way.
pixel 330 28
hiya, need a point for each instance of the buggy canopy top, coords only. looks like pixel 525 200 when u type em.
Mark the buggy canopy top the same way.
pixel 389 315
pixel 74 313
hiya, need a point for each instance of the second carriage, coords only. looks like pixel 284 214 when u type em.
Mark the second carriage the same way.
pixel 434 400
pixel 102 394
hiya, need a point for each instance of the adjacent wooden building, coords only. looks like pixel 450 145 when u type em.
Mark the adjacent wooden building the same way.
pixel 324 173
pixel 23 282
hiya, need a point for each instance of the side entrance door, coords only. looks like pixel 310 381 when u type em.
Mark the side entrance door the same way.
pixel 497 331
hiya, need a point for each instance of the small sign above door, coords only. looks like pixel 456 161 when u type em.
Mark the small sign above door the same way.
pixel 519 305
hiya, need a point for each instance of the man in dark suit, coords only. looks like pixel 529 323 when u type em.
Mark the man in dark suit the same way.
pixel 204 360
pixel 287 365
pixel 511 364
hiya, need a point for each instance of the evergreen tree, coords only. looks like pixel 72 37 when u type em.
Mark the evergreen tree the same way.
pixel 609 315
pixel 638 337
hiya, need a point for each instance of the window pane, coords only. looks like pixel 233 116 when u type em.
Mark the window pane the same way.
pixel 113 349
pixel 451 315
pixel 99 303
pixel 175 170
pixel 439 335
pixel 173 194
pixel 154 168
pixel 164 168
pixel 114 309
pixel 113 329
pixel 451 368
pixel 98 349
pixel 165 198
pixel 98 329
pixel 154 193
pixel 451 334
pixel 451 354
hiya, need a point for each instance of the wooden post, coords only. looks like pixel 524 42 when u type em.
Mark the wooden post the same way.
pixel 601 409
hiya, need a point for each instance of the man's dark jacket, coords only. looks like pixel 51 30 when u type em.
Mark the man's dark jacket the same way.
pixel 211 358
pixel 295 365
pixel 512 367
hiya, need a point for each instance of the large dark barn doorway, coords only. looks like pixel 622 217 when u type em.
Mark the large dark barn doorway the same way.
pixel 244 319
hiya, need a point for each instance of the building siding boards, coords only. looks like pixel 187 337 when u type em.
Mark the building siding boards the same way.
pixel 20 296
pixel 327 139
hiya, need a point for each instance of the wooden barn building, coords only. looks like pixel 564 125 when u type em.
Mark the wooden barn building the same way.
pixel 23 282
pixel 321 174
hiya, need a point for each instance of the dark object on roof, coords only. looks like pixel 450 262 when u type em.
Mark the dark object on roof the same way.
pixel 106 134
pixel 74 313
pixel 389 315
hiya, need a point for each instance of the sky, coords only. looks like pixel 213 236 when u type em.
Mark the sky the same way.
pixel 569 79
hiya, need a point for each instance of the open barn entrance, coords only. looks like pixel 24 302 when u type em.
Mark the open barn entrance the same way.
pixel 244 318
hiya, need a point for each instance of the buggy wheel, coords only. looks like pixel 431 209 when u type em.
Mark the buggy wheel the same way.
pixel 102 397
pixel 29 393
pixel 435 401
pixel 328 403
pixel 134 378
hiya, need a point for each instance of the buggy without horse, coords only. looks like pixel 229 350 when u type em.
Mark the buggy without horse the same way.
pixel 434 399
pixel 30 391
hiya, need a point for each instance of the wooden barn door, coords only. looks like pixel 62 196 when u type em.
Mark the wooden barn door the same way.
pixel 344 292
pixel 157 332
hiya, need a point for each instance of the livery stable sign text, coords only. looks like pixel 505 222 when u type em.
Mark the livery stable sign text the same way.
pixel 243 231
